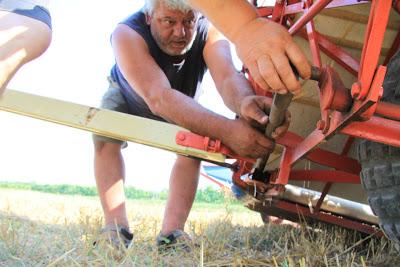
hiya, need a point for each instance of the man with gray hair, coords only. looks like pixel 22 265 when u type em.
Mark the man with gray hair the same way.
pixel 162 53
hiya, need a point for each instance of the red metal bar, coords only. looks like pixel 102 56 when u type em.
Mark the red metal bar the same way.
pixel 324 176
pixel 308 16
pixel 388 110
pixel 284 168
pixel 190 139
pixel 278 11
pixel 309 143
pixel 313 38
pixel 322 157
pixel 325 217
pixel 324 192
pixel 265 11
pixel 377 23
pixel 290 140
pixel 393 49
pixel 298 7
pixel 212 180
pixel 376 129
pixel 396 5
pixel 338 120
pixel 236 179
pixel 338 54
pixel 294 8
pixel 376 91
pixel 347 146
pixel 327 187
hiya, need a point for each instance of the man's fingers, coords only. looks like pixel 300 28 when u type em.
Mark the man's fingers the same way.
pixel 281 130
pixel 270 75
pixel 263 141
pixel 258 126
pixel 256 113
pixel 260 117
pixel 286 74
pixel 299 60
pixel 255 74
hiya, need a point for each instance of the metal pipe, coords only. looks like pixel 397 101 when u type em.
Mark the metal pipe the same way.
pixel 312 12
pixel 375 129
pixel 388 110
pixel 279 106
pixel 333 204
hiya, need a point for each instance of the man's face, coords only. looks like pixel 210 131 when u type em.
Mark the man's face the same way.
pixel 173 30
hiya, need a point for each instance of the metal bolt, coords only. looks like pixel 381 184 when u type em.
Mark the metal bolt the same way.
pixel 355 89
pixel 315 73
pixel 181 137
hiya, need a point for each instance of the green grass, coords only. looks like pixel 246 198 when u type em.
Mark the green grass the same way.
pixel 40 229
pixel 207 195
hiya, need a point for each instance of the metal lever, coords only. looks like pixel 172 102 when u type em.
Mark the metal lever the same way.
pixel 279 106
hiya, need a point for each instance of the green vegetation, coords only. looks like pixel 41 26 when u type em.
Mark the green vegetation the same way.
pixel 38 229
pixel 207 195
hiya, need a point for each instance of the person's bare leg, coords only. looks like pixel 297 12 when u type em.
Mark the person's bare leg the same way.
pixel 110 176
pixel 22 39
pixel 182 190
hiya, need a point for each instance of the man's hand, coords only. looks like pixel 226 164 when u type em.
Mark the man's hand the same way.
pixel 266 48
pixel 245 140
pixel 253 108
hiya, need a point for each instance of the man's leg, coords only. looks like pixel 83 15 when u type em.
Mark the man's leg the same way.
pixel 182 190
pixel 22 39
pixel 110 176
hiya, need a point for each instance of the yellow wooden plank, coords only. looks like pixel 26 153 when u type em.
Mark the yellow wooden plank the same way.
pixel 103 122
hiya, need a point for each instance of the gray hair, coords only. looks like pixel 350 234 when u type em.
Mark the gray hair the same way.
pixel 180 5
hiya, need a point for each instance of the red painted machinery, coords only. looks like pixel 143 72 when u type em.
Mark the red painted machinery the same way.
pixel 343 146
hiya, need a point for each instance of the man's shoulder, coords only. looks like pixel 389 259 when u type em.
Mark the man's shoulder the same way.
pixel 138 18
pixel 203 24
pixel 137 23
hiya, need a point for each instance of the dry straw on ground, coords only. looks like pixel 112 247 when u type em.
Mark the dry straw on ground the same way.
pixel 38 229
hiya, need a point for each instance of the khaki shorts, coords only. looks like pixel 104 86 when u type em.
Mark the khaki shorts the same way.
pixel 113 100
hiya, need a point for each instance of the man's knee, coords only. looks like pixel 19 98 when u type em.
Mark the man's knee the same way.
pixel 102 146
pixel 187 162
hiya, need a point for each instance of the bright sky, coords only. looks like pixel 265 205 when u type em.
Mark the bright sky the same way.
pixel 74 69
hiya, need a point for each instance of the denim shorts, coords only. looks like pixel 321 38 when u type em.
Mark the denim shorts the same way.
pixel 29 8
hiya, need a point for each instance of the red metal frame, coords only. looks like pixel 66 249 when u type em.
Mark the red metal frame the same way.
pixel 357 115
pixel 395 47
pixel 329 218
pixel 375 31
pixel 335 52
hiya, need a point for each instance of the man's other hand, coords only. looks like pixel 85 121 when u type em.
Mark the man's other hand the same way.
pixel 245 140
pixel 266 48
pixel 253 110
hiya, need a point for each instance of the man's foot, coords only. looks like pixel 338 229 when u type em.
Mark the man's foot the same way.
pixel 116 236
pixel 176 239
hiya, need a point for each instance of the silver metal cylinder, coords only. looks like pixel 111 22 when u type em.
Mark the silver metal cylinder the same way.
pixel 332 204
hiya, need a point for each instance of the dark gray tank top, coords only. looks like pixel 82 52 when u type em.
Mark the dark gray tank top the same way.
pixel 185 77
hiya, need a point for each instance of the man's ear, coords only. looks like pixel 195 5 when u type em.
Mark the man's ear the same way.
pixel 148 18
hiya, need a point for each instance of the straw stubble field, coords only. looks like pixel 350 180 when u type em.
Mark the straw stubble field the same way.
pixel 39 229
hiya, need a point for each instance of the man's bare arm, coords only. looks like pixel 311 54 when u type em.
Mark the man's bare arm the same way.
pixel 265 47
pixel 234 88
pixel 150 82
